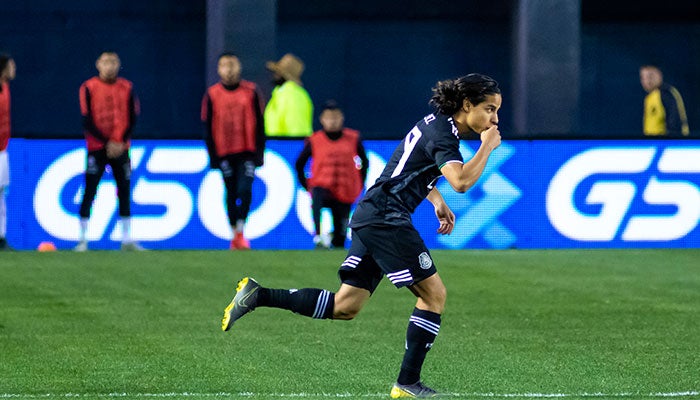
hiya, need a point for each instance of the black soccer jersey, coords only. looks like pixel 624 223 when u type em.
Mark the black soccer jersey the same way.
pixel 410 174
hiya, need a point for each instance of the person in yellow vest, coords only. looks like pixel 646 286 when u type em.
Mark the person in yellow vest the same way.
pixel 338 170
pixel 290 110
pixel 664 112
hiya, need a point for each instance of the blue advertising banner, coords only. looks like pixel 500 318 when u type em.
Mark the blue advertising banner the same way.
pixel 533 194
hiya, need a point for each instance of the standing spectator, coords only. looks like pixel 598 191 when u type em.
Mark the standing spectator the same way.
pixel 109 108
pixel 384 240
pixel 664 112
pixel 290 111
pixel 338 171
pixel 235 138
pixel 7 73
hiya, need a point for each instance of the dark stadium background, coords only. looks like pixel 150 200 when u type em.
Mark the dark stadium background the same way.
pixel 378 58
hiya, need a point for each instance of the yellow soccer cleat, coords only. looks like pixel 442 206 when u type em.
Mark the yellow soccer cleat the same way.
pixel 244 301
pixel 416 391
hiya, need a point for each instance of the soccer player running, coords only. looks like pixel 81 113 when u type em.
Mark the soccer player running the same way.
pixel 384 241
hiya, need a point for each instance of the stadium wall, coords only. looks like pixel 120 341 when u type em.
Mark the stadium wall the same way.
pixel 378 60
pixel 533 194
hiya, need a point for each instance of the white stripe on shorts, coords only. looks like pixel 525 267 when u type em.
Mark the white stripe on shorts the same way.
pixel 351 262
pixel 400 276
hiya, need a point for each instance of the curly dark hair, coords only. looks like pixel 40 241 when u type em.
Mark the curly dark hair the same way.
pixel 448 95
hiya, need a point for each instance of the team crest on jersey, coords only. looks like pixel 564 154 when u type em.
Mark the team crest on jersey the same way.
pixel 425 260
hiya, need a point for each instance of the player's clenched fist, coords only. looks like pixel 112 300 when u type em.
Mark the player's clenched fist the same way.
pixel 491 137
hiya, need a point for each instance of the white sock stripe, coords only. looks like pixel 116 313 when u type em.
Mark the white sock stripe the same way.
pixel 426 327
pixel 318 304
pixel 321 304
pixel 429 323
pixel 319 301
pixel 354 258
pixel 348 264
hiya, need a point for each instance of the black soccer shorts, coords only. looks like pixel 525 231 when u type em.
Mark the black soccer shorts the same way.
pixel 395 251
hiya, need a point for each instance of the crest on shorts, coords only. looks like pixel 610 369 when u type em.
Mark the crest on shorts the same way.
pixel 425 260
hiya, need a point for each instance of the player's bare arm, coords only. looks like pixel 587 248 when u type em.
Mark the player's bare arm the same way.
pixel 463 176
pixel 442 211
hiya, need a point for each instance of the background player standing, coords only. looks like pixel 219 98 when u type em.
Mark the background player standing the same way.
pixel 664 111
pixel 338 172
pixel 235 138
pixel 384 241
pixel 109 108
pixel 7 73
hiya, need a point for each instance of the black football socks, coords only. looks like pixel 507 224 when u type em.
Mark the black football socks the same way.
pixel 314 303
pixel 423 327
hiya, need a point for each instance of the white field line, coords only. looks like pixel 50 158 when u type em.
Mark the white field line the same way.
pixel 194 395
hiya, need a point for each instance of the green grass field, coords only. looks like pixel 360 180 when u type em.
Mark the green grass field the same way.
pixel 518 324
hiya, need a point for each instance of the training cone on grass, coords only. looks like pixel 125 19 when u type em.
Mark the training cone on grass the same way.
pixel 46 246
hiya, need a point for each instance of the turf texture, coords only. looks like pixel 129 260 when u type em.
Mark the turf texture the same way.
pixel 530 324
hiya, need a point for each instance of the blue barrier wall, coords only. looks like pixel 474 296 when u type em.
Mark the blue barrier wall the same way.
pixel 533 194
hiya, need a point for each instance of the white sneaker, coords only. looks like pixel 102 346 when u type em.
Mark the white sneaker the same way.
pixel 320 242
pixel 81 247
pixel 132 246
pixel 326 240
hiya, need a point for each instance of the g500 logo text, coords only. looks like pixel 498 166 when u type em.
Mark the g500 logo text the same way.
pixel 176 183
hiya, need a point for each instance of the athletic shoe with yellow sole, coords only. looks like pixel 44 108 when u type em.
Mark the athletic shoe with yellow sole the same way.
pixel 416 391
pixel 244 301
